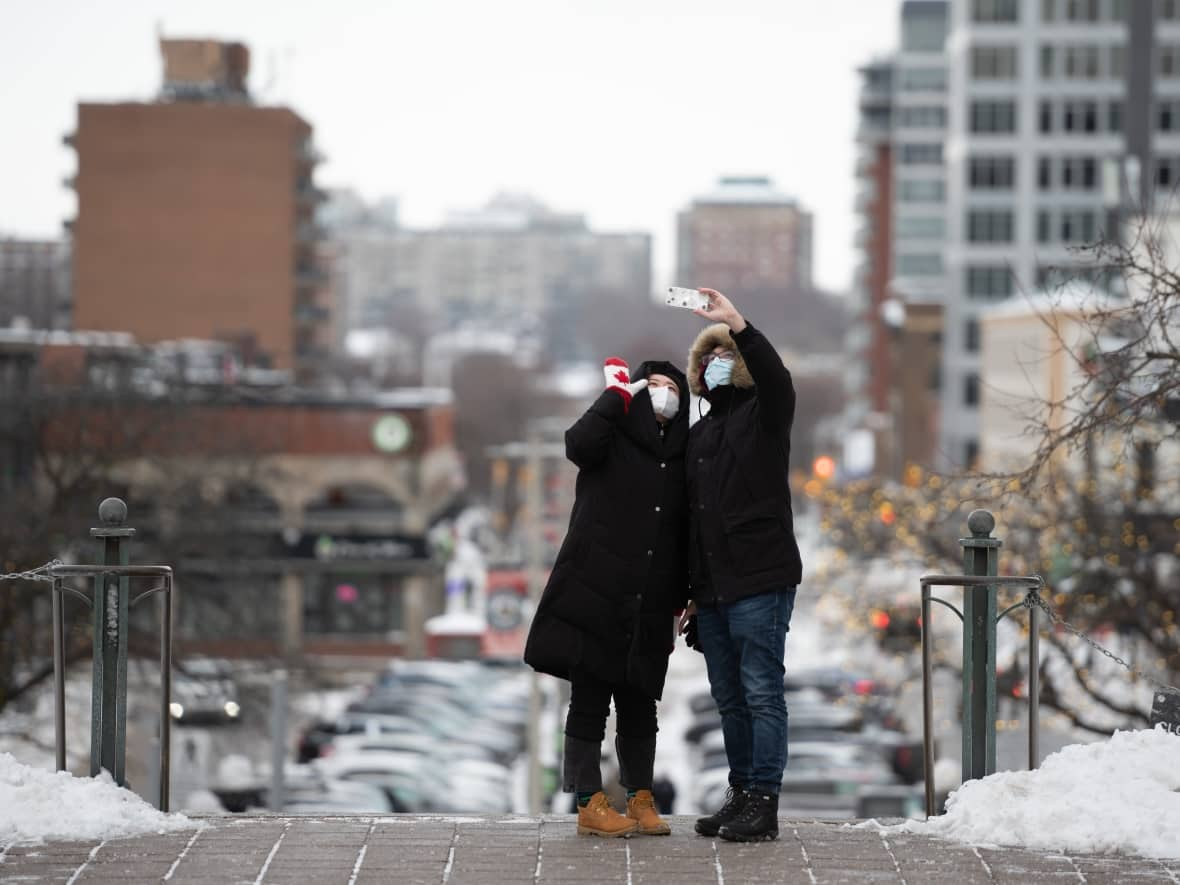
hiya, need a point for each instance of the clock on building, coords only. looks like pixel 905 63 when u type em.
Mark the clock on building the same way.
pixel 391 433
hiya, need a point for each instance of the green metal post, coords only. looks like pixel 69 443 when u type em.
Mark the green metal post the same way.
pixel 108 696
pixel 980 557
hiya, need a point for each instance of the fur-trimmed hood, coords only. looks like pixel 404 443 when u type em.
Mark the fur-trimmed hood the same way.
pixel 711 337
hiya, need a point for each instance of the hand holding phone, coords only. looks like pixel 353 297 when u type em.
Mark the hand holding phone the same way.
pixel 690 299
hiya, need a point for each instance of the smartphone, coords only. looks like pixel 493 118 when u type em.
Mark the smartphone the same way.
pixel 690 299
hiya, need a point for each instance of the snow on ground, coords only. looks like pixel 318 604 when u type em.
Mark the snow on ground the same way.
pixel 37 806
pixel 1118 796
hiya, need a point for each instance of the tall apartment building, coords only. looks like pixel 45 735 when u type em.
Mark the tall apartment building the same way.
pixel 1064 114
pixel 744 236
pixel 35 283
pixel 196 215
pixel 1019 131
pixel 895 330
pixel 513 265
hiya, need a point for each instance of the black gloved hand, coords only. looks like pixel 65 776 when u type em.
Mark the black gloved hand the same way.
pixel 691 638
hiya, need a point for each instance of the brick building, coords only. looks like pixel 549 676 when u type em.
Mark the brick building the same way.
pixel 296 522
pixel 196 216
pixel 744 236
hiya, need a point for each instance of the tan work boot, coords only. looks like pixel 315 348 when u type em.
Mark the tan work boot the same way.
pixel 641 808
pixel 597 818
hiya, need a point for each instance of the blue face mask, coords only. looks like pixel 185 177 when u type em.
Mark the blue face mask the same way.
pixel 718 373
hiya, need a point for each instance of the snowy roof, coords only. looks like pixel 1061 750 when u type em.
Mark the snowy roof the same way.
pixel 411 397
pixel 1074 297
pixel 743 190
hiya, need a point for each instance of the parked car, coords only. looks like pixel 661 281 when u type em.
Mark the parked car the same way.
pixel 204 693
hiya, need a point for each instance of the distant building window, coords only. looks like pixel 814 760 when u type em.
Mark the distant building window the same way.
pixel 919 265
pixel 1083 62
pixel 1114 116
pixel 1169 10
pixel 1044 226
pixel 922 117
pixel 923 80
pixel 971 335
pixel 991 173
pixel 989 226
pixel 1079 173
pixel 920 227
pixel 1044 173
pixel 993 116
pixel 989 282
pixel 1167 173
pixel 1048 61
pixel 1048 10
pixel 1168 116
pixel 971 390
pixel 971 452
pixel 921 154
pixel 1002 11
pixel 1077 226
pixel 922 191
pixel 1045 117
pixel 1080 116
pixel 993 62
pixel 1168 60
pixel 1118 61
pixel 1082 10
pixel 923 28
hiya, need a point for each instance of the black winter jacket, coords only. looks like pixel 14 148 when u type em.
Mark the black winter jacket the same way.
pixel 621 573
pixel 742 528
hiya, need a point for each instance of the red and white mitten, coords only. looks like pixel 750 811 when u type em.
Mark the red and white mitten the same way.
pixel 618 379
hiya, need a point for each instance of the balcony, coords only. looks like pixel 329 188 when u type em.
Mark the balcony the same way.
pixel 309 276
pixel 309 232
pixel 309 154
pixel 308 193
pixel 310 314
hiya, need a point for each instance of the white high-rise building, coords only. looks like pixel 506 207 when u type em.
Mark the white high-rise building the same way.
pixel 1063 116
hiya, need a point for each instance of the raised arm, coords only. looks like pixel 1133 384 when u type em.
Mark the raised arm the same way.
pixel 587 442
pixel 776 390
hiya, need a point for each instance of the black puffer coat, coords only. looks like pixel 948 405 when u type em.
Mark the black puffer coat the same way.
pixel 621 573
pixel 743 533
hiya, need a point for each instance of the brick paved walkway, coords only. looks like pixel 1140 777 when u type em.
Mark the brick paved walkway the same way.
pixel 483 850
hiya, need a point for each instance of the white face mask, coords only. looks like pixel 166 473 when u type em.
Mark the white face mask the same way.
pixel 664 401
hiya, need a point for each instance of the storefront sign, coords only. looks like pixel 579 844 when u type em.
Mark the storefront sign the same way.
pixel 359 548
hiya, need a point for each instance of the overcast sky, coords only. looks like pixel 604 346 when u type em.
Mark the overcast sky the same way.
pixel 622 109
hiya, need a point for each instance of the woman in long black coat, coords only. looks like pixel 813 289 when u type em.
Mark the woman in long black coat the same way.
pixel 605 619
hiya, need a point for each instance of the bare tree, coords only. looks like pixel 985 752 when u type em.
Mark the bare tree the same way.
pixel 69 443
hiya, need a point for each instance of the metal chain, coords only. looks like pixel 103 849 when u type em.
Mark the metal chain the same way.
pixel 1035 598
pixel 40 573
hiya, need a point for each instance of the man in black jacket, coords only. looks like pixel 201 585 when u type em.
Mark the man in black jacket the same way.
pixel 744 564
pixel 605 620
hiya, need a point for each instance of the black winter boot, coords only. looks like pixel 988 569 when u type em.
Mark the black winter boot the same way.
pixel 734 800
pixel 757 821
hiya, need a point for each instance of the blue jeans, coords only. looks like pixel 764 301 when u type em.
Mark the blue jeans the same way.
pixel 744 643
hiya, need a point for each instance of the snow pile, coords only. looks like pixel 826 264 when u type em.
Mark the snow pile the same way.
pixel 1118 796
pixel 38 805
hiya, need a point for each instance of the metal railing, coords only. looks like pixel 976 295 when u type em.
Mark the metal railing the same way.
pixel 108 725
pixel 979 744
pixel 110 602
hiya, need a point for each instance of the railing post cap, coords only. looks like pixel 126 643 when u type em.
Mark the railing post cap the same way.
pixel 112 513
pixel 980 523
